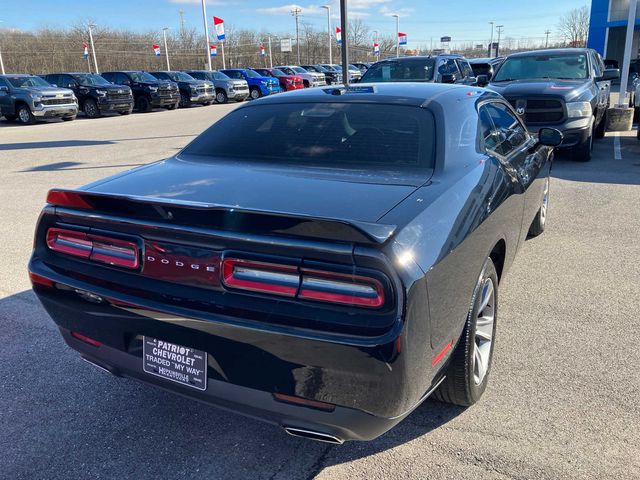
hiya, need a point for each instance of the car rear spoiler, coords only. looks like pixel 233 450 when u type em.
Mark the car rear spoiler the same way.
pixel 222 217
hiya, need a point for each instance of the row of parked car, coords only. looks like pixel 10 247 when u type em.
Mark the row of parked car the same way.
pixel 28 98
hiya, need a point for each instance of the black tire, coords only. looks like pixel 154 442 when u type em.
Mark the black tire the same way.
pixel 255 93
pixel 143 104
pixel 24 115
pixel 221 96
pixel 90 108
pixel 306 83
pixel 601 129
pixel 69 119
pixel 185 101
pixel 459 386
pixel 540 220
pixel 9 117
pixel 582 152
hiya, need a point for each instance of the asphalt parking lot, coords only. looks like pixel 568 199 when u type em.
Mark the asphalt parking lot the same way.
pixel 562 401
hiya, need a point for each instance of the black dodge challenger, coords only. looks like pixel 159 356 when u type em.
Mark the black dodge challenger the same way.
pixel 323 260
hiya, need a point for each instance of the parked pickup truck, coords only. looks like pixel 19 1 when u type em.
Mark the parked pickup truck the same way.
pixel 567 89
pixel 148 91
pixel 259 86
pixel 191 90
pixel 443 68
pixel 94 93
pixel 226 88
pixel 27 98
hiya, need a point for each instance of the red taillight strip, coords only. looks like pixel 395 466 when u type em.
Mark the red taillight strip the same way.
pixel 94 247
pixel 341 288
pixel 63 198
pixel 442 353
pixel 260 276
pixel 86 339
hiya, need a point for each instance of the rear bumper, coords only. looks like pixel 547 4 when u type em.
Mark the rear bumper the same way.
pixel 371 385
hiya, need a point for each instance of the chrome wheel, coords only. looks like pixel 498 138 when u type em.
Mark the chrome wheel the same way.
pixel 221 97
pixel 24 115
pixel 545 203
pixel 484 331
pixel 255 94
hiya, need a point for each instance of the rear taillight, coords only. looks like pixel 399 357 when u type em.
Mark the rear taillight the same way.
pixel 98 248
pixel 306 284
pixel 344 289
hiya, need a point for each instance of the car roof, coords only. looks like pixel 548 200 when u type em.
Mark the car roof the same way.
pixel 409 93
pixel 419 57
pixel 18 75
pixel 550 51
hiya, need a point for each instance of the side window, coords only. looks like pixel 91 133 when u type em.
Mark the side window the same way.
pixel 508 133
pixel 66 81
pixel 486 129
pixel 596 62
pixel 121 79
pixel 236 75
pixel 448 66
pixel 464 67
pixel 3 83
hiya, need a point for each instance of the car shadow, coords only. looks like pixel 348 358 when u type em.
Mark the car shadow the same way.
pixel 53 144
pixel 71 166
pixel 65 416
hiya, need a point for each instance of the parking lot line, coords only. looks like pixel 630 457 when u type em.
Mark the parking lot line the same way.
pixel 617 152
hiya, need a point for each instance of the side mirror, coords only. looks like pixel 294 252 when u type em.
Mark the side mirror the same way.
pixel 550 137
pixel 355 80
pixel 4 89
pixel 448 78
pixel 611 74
pixel 482 80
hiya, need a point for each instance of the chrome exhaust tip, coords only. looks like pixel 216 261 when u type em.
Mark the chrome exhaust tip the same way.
pixel 313 435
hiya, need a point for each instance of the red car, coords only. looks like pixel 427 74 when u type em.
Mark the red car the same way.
pixel 287 82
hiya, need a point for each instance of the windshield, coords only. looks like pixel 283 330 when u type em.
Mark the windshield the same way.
pixel 180 76
pixel 20 82
pixel 142 77
pixel 311 68
pixel 90 79
pixel 414 70
pixel 332 135
pixel 277 72
pixel 570 66
pixel 220 76
pixel 252 74
pixel 299 70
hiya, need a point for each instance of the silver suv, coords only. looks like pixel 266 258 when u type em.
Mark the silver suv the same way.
pixel 226 88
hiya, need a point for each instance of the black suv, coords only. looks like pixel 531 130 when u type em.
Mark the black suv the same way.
pixel 148 91
pixel 567 89
pixel 95 94
pixel 191 90
pixel 333 77
pixel 440 69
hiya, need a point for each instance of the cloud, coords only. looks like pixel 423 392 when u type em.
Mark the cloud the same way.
pixel 403 11
pixel 286 10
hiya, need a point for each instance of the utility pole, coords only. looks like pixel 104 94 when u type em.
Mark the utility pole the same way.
pixel 626 59
pixel 397 17
pixel 182 24
pixel 270 56
pixel 166 50
pixel 546 42
pixel 491 41
pixel 328 7
pixel 344 24
pixel 2 63
pixel 296 12
pixel 93 48
pixel 499 28
pixel 206 32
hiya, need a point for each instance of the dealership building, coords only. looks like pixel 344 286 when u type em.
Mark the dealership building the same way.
pixel 608 27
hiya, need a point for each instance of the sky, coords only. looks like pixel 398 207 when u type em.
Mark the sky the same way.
pixel 422 20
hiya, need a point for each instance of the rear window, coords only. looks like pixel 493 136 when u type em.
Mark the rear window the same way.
pixel 336 135
pixel 414 70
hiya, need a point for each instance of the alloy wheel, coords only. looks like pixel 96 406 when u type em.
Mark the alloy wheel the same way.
pixel 24 116
pixel 484 331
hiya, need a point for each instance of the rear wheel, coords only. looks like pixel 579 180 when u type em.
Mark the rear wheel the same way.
pixel 25 116
pixel 468 371
pixel 221 96
pixel 540 220
pixel 143 104
pixel 90 108
pixel 185 101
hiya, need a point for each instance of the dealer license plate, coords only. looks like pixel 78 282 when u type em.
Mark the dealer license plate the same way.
pixel 183 365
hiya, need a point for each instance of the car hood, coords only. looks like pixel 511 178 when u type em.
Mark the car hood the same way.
pixel 306 191
pixel 567 89
pixel 47 90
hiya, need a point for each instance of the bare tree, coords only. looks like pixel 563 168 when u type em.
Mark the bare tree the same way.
pixel 574 25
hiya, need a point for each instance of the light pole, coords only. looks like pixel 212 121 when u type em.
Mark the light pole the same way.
pixel 93 48
pixel 206 32
pixel 375 40
pixel 499 28
pixel 1 62
pixel 166 50
pixel 546 42
pixel 328 8
pixel 397 17
pixel 491 41
pixel 344 25
pixel 296 12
